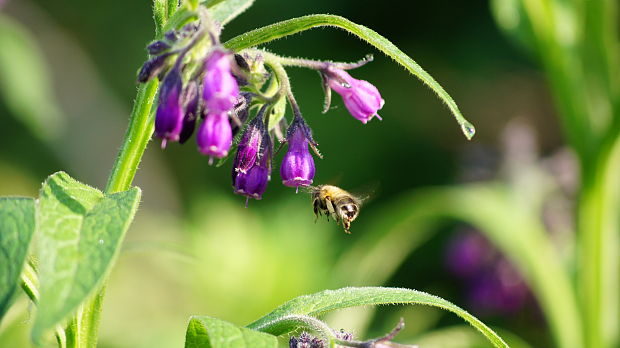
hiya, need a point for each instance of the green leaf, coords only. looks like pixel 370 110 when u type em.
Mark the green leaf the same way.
pixel 207 332
pixel 225 11
pixel 329 300
pixel 16 230
pixel 25 83
pixel 292 26
pixel 80 231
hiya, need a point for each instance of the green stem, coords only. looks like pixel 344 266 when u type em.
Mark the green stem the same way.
pixel 83 330
pixel 598 253
pixel 30 285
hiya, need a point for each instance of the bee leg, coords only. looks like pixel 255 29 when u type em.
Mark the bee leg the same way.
pixel 331 210
pixel 317 211
pixel 347 225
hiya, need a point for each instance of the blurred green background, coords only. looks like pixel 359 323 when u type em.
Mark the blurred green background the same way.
pixel 194 248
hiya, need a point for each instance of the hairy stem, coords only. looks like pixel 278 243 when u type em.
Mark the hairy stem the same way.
pixel 85 325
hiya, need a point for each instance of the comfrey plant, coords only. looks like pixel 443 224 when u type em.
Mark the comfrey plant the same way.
pixel 203 81
pixel 233 96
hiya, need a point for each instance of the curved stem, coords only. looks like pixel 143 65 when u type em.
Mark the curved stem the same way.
pixel 85 324
pixel 322 64
pixel 136 138
pixel 292 26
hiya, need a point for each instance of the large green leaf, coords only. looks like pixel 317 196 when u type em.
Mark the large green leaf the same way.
pixel 319 303
pixel 79 231
pixel 16 230
pixel 292 26
pixel 25 82
pixel 207 332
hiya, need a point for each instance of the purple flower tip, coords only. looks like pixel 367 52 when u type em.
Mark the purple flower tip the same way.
pixel 215 135
pixel 169 116
pixel 220 86
pixel 360 97
pixel 298 165
pixel 253 183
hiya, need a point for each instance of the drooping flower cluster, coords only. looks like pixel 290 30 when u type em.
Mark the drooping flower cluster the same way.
pixel 208 88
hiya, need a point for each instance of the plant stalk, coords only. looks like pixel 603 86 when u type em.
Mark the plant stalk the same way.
pixel 598 253
pixel 83 330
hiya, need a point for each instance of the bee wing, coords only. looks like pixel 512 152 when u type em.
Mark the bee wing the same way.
pixel 366 193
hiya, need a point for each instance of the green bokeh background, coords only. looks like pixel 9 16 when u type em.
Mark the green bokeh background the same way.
pixel 194 248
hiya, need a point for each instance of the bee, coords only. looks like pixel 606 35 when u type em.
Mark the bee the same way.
pixel 333 201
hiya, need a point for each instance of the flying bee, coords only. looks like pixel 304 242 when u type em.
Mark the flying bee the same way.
pixel 333 201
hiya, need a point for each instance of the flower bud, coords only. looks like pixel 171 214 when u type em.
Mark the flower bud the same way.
pixel 360 97
pixel 297 167
pixel 152 67
pixel 169 116
pixel 215 135
pixel 157 47
pixel 220 89
pixel 242 111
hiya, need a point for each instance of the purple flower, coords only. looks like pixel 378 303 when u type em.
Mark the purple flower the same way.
pixel 298 165
pixel 253 182
pixel 361 98
pixel 250 144
pixel 220 86
pixel 169 116
pixel 215 135
pixel 467 254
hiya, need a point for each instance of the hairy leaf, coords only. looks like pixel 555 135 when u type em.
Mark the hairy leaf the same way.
pixel 292 26
pixel 329 300
pixel 207 332
pixel 79 231
pixel 16 230
pixel 225 11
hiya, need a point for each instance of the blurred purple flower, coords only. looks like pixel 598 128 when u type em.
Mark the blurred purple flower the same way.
pixel 215 136
pixel 493 284
pixel 467 254
pixel 169 116
pixel 220 90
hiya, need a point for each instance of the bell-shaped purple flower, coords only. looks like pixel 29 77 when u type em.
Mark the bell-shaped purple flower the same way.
pixel 360 97
pixel 215 135
pixel 220 89
pixel 253 183
pixel 297 167
pixel 169 116
pixel 250 145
